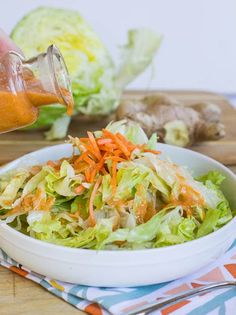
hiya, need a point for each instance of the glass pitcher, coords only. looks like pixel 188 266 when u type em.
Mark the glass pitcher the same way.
pixel 25 85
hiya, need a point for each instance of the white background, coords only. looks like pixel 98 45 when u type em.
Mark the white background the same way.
pixel 199 47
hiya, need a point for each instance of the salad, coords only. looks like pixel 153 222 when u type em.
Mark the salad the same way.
pixel 116 191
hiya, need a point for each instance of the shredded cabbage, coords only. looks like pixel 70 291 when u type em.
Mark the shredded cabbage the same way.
pixel 117 193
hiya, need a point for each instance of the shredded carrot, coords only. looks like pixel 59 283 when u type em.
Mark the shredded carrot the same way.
pixel 103 171
pixel 119 143
pixel 79 189
pixel 103 141
pixel 81 167
pixel 92 197
pixel 92 175
pixel 80 158
pixel 94 144
pixel 101 162
pixel 129 144
pixel 98 156
pixel 117 152
pixel 108 147
pixel 98 167
pixel 87 159
pixel 87 174
pixel 55 165
pixel 35 169
pixel 74 158
pixel 74 215
pixel 95 153
pixel 90 149
pixel 51 163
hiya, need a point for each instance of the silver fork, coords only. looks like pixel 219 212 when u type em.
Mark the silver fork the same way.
pixel 157 305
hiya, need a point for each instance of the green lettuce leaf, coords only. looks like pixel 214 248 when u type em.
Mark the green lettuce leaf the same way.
pixel 80 204
pixel 175 229
pixel 50 229
pixel 106 188
pixel 34 182
pixel 90 238
pixel 210 222
pixel 142 233
pixel 137 55
pixel 127 179
pixel 167 227
pixel 48 114
pixel 213 181
pixel 131 174
pixel 9 194
pixel 132 131
pixel 62 183
pixel 59 128
pixel 152 142
pixel 214 177
pixel 45 227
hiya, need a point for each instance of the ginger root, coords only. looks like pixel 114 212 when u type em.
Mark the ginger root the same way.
pixel 176 132
pixel 173 122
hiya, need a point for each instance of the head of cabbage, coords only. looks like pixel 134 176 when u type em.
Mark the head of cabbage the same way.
pixel 96 83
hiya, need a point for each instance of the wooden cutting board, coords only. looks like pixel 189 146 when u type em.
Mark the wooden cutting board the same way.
pixel 18 143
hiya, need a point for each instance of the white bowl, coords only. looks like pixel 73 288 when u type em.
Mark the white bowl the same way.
pixel 122 268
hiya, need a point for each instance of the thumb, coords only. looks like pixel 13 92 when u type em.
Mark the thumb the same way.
pixel 6 44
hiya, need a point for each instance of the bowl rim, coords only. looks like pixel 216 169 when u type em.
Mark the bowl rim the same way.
pixel 182 246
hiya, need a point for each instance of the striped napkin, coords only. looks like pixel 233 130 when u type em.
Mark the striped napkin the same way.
pixel 104 301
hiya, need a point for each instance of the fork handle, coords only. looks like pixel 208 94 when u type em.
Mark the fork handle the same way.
pixel 150 307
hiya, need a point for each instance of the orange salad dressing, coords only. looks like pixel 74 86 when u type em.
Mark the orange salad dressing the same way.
pixel 188 196
pixel 20 109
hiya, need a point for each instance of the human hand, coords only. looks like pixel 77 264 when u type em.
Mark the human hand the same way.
pixel 6 44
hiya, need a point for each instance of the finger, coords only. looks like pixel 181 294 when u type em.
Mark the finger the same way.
pixel 6 44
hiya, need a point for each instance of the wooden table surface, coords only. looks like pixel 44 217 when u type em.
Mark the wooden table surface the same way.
pixel 20 296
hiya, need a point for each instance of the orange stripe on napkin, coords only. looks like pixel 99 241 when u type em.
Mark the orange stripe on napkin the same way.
pixel 173 308
pixel 93 309
pixel 231 269
pixel 20 272
pixel 214 275
pixel 183 287
pixel 196 285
